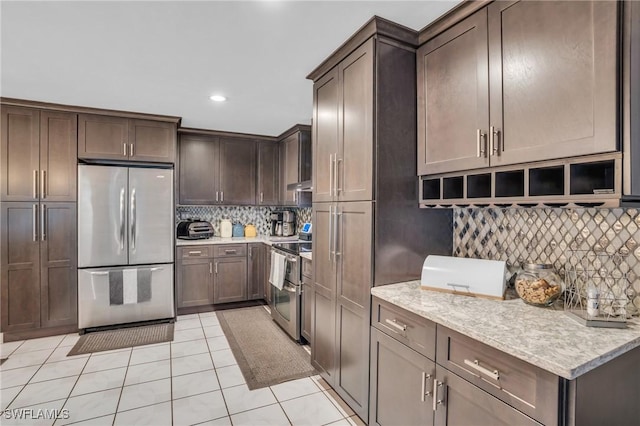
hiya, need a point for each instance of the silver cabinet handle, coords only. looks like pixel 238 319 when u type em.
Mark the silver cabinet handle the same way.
pixel 481 141
pixel 35 184
pixel 437 385
pixel 43 229
pixel 331 233
pixel 210 269
pixel 230 251
pixel 491 372
pixel 250 251
pixel 43 189
pixel 130 150
pixel 494 147
pixel 216 196
pixel 336 229
pixel 195 252
pixel 330 175
pixel 395 324
pixel 261 197
pixel 222 196
pixel 133 219
pixel 121 218
pixel 338 180
pixel 216 268
pixel 124 149
pixel 425 392
pixel 35 222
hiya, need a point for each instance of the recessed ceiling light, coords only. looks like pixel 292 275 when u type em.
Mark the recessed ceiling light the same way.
pixel 217 98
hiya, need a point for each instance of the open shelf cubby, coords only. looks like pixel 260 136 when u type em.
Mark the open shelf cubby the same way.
pixel 593 178
pixel 546 181
pixel 431 189
pixel 453 187
pixel 510 183
pixel 479 186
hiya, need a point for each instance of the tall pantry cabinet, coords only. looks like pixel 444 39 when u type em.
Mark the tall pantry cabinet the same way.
pixel 38 222
pixel 368 229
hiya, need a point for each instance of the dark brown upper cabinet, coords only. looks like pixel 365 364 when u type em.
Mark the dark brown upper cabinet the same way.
pixel 39 155
pixel 295 164
pixel 268 189
pixel 217 170
pixel 516 82
pixel 102 137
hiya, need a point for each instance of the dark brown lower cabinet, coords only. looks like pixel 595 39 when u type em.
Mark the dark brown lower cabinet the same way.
pixel 458 402
pixel 307 306
pixel 38 263
pixel 401 383
pixel 230 282
pixel 267 284
pixel 194 282
pixel 255 271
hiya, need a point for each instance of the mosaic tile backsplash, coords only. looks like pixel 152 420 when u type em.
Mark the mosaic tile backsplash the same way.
pixel 553 236
pixel 258 216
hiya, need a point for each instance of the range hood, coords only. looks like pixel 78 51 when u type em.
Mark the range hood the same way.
pixel 304 186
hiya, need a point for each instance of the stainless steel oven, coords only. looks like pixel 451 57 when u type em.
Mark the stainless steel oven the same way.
pixel 286 304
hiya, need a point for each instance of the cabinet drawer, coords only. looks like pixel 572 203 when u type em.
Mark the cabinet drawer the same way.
pixel 408 328
pixel 195 252
pixel 229 250
pixel 526 387
pixel 307 269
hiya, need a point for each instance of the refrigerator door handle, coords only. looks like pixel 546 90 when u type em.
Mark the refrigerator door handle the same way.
pixel 121 218
pixel 133 219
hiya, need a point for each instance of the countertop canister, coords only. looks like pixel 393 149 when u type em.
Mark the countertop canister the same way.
pixel 226 228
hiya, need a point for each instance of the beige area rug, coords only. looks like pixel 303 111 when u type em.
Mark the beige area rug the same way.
pixel 265 354
pixel 122 338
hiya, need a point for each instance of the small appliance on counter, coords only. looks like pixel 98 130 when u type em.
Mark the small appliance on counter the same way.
pixel 305 232
pixel 238 230
pixel 283 223
pixel 194 229
pixel 226 228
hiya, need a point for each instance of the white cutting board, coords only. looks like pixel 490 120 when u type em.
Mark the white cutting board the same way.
pixel 460 275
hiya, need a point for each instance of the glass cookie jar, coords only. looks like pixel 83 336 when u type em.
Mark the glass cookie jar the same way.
pixel 538 284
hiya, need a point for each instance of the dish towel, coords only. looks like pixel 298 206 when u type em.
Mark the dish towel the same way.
pixel 129 286
pixel 276 276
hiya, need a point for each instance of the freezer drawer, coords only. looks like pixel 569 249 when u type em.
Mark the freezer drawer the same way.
pixel 110 296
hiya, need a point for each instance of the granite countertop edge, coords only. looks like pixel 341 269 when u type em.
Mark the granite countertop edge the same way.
pixel 555 342
pixel 233 240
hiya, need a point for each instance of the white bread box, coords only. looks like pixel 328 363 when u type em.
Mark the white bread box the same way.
pixel 460 275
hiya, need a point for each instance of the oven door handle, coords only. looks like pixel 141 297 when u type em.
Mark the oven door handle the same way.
pixel 289 289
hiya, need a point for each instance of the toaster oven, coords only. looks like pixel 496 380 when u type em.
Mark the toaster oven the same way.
pixel 194 229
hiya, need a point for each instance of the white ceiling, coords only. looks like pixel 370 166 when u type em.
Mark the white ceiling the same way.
pixel 168 57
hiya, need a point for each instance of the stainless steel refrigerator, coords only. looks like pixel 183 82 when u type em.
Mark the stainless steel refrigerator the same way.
pixel 125 245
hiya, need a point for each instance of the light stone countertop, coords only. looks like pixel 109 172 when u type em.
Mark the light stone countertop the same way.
pixel 235 240
pixel 547 338
pixel 307 255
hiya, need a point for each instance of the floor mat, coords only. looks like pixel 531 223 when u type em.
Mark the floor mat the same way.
pixel 265 354
pixel 122 338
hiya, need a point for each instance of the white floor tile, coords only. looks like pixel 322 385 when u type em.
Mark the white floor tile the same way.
pixel 213 331
pixel 148 372
pixel 208 315
pixel 222 421
pixel 230 376
pixel 142 354
pixel 7 395
pixel 17 377
pixel 143 394
pixel 223 358
pixel 294 389
pixel 187 317
pixel 342 406
pixel 39 344
pixel 191 364
pixel 209 320
pixel 99 361
pixel 271 415
pixel 56 370
pixel 99 381
pixel 191 347
pixel 25 359
pixel 153 415
pixel 313 410
pixel 92 405
pixel 186 335
pixel 185 324
pixel 194 384
pixel 198 408
pixel 37 393
pixel 7 348
pixel 69 340
pixel 240 398
pixel 218 343
pixel 97 421
pixel 30 413
pixel 341 422
pixel 60 354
